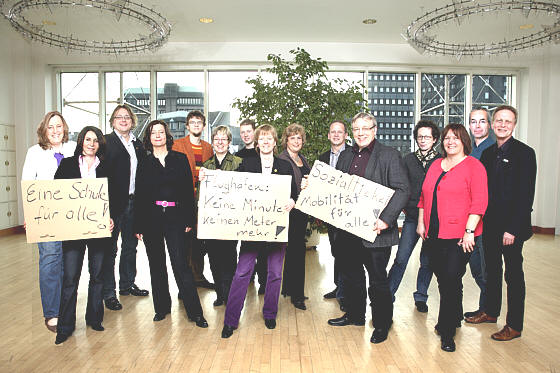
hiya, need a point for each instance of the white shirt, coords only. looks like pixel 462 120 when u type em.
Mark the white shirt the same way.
pixel 129 146
pixel 85 171
pixel 40 164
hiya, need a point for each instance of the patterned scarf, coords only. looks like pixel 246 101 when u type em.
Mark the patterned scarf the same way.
pixel 425 158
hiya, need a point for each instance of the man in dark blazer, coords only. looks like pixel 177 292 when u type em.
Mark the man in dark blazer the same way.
pixel 337 136
pixel 123 155
pixel 511 167
pixel 376 162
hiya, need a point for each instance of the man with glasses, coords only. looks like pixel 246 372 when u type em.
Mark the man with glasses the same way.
pixel 479 124
pixel 123 155
pixel 379 163
pixel 337 136
pixel 426 133
pixel 512 169
pixel 197 151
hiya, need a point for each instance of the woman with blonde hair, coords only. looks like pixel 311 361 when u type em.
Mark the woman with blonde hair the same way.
pixel 41 163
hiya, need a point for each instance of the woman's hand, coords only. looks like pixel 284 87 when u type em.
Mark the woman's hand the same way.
pixel 304 182
pixel 201 175
pixel 140 236
pixel 290 205
pixel 467 242
pixel 421 230
pixel 379 225
pixel 187 229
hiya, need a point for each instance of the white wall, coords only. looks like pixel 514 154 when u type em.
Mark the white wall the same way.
pixel 28 92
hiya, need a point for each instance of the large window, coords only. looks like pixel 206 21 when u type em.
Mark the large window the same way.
pixel 223 88
pixel 79 100
pixel 391 98
pixel 491 91
pixel 178 93
pixel 443 98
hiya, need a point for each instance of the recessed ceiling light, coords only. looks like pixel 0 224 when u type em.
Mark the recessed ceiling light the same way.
pixel 369 21
pixel 526 26
pixel 206 20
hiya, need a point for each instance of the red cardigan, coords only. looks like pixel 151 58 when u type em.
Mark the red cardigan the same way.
pixel 462 191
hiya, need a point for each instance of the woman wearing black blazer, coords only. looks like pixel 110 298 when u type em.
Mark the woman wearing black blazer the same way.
pixel 87 162
pixel 266 163
pixel 165 210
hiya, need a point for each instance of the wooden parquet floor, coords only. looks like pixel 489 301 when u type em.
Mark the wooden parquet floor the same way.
pixel 302 341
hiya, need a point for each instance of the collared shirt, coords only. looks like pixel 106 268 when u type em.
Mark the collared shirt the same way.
pixel 361 159
pixel 129 146
pixel 477 150
pixel 85 171
pixel 334 155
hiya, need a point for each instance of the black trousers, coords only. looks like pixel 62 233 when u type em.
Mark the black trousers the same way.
pixel 512 255
pixel 222 255
pixel 155 249
pixel 352 259
pixel 73 253
pixel 294 264
pixel 448 261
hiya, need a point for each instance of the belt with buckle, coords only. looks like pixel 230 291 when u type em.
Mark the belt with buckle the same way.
pixel 165 203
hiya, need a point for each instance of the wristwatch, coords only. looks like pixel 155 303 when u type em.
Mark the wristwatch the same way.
pixel 469 230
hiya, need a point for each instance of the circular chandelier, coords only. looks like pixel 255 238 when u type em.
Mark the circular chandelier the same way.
pixel 157 27
pixel 420 33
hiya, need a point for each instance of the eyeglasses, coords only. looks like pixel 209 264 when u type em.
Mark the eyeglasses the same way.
pixel 420 138
pixel 362 129
pixel 121 117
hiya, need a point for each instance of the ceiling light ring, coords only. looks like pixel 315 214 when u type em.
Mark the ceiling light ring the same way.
pixel 158 26
pixel 417 33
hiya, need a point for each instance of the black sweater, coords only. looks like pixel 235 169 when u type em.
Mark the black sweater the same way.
pixel 416 174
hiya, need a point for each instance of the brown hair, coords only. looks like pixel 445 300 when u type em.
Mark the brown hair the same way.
pixel 293 129
pixel 266 129
pixel 460 131
pixel 130 113
pixel 42 138
pixel 148 133
pixel 100 140
pixel 505 107
pixel 248 122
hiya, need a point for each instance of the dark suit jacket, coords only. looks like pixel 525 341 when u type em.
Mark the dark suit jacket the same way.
pixel 70 169
pixel 384 167
pixel 156 183
pixel 510 210
pixel 118 164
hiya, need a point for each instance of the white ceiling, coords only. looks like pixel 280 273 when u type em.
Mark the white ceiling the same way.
pixel 286 21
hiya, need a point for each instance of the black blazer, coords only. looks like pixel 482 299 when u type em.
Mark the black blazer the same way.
pixel 118 163
pixel 279 166
pixel 384 167
pixel 510 210
pixel 156 183
pixel 70 169
pixel 325 157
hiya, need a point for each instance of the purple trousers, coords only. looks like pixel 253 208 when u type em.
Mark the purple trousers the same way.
pixel 247 257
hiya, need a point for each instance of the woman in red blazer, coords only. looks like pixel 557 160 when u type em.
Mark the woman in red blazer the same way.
pixel 454 198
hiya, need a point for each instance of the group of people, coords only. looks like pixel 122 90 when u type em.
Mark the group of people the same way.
pixel 464 209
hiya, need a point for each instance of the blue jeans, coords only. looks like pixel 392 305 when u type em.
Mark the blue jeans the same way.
pixel 127 266
pixel 408 240
pixel 50 276
pixel 478 271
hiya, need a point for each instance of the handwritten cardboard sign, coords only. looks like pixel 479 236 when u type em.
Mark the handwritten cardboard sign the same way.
pixel 348 202
pixel 65 209
pixel 243 206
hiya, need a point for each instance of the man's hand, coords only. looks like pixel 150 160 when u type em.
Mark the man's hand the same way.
pixel 379 225
pixel 508 239
pixel 139 236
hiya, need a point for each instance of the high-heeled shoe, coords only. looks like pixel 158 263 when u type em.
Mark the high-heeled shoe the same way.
pixel 52 328
pixel 227 331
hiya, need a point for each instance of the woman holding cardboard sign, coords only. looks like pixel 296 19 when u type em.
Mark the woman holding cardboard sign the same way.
pixel 266 163
pixel 293 140
pixel 41 163
pixel 221 253
pixel 86 163
pixel 165 211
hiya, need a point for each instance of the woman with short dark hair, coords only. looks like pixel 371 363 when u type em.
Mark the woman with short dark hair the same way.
pixel 163 213
pixel 454 197
pixel 86 163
